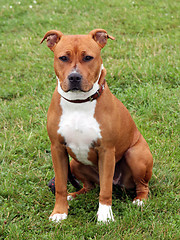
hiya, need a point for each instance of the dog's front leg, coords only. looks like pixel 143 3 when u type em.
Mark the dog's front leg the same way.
pixel 106 173
pixel 60 163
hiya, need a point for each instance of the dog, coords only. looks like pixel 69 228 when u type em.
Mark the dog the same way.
pixel 86 121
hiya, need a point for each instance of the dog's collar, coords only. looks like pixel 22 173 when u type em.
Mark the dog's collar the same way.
pixel 81 97
pixel 91 98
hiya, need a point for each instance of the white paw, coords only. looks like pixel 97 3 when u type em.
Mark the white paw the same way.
pixel 58 217
pixel 138 202
pixel 70 198
pixel 105 213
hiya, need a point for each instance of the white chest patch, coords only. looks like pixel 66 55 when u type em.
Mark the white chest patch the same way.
pixel 79 127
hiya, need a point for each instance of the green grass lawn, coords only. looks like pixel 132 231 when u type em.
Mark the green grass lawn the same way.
pixel 142 71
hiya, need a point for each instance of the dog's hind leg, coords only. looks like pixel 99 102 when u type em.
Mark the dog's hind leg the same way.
pixel 88 175
pixel 140 162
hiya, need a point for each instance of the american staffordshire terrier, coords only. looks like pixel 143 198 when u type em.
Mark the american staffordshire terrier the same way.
pixel 86 121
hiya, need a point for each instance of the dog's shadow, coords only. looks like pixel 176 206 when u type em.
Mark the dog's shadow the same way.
pixel 122 193
pixel 91 198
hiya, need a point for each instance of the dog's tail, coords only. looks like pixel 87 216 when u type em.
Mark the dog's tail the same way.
pixel 71 179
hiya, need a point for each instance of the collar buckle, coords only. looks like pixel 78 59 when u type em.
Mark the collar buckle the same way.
pixel 98 92
pixel 90 99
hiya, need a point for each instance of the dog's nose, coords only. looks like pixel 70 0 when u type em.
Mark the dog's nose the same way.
pixel 74 81
pixel 75 77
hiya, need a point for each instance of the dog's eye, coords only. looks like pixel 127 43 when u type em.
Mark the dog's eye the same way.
pixel 87 58
pixel 64 59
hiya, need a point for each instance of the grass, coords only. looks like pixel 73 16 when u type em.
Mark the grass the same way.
pixel 142 71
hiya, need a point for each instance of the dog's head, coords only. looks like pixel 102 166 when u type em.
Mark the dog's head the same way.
pixel 77 60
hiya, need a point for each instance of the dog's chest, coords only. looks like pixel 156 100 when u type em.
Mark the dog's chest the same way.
pixel 79 128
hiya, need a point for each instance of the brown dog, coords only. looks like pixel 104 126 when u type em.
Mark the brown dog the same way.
pixel 86 121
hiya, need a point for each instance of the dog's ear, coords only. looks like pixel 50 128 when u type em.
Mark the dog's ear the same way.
pixel 100 36
pixel 53 38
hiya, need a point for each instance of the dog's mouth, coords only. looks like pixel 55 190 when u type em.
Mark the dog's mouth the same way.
pixel 71 87
pixel 75 87
pixel 78 87
pixel 78 90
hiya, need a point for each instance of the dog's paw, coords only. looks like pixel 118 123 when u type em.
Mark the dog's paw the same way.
pixel 105 214
pixel 138 202
pixel 58 217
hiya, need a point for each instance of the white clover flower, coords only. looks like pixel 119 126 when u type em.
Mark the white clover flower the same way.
pixel 30 6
